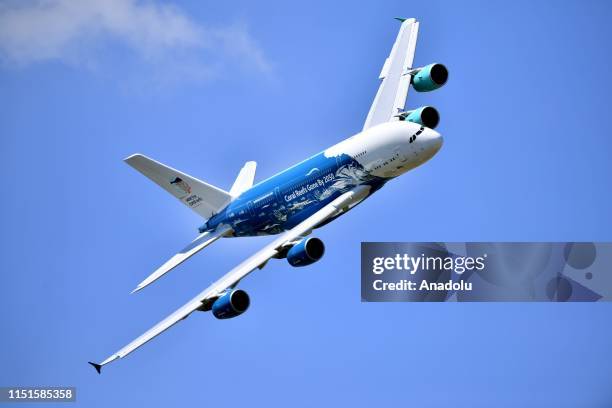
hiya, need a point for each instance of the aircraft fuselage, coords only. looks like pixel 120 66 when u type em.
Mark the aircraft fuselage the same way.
pixel 370 158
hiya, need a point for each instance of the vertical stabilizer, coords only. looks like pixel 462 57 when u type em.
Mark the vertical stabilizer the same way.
pixel 245 179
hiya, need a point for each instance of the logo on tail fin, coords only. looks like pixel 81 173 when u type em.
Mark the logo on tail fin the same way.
pixel 180 185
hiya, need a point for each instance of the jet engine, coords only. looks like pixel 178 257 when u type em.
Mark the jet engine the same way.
pixel 231 304
pixel 429 78
pixel 306 252
pixel 427 116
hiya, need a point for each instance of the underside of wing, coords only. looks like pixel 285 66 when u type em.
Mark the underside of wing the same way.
pixel 391 96
pixel 204 299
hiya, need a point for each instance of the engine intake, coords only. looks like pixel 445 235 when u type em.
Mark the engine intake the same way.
pixel 427 116
pixel 430 78
pixel 231 304
pixel 306 252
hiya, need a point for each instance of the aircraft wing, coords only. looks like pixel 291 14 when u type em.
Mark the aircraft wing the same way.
pixel 391 96
pixel 204 300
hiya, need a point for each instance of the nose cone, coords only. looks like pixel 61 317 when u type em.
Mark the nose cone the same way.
pixel 432 140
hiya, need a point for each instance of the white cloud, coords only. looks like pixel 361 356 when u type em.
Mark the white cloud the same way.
pixel 71 31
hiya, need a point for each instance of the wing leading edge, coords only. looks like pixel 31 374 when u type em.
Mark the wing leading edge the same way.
pixel 393 90
pixel 234 276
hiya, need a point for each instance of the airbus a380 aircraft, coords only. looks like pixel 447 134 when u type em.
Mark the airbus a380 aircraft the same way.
pixel 305 196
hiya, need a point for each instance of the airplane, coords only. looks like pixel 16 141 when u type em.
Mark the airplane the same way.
pixel 307 195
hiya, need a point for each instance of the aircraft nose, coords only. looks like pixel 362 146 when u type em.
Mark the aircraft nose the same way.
pixel 433 140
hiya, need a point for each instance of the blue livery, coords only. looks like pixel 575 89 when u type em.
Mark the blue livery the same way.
pixel 286 199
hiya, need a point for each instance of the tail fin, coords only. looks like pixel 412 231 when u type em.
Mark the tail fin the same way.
pixel 245 178
pixel 201 197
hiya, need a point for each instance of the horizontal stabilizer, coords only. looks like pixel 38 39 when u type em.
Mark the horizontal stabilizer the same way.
pixel 201 242
pixel 201 197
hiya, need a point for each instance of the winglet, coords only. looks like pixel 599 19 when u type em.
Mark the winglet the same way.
pixel 400 19
pixel 97 366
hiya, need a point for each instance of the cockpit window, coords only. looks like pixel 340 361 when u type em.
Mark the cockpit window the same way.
pixel 413 137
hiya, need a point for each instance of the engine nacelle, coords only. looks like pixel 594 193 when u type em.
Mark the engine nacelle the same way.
pixel 306 252
pixel 231 304
pixel 430 78
pixel 427 116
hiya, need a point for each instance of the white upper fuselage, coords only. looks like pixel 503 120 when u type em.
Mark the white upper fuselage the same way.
pixel 390 149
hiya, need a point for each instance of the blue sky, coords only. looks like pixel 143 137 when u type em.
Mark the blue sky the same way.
pixel 206 86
